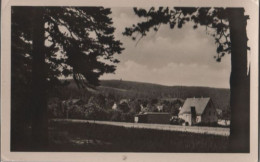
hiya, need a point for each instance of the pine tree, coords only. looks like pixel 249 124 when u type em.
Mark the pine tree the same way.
pixel 53 42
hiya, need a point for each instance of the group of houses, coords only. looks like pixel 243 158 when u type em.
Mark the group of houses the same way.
pixel 143 108
pixel 193 111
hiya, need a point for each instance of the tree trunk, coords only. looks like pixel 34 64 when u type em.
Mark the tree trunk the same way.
pixel 39 97
pixel 239 82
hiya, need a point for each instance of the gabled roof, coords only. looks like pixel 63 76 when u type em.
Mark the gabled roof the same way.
pixel 199 103
pixel 75 100
pixel 123 101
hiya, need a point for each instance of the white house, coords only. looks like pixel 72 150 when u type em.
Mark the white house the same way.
pixel 159 108
pixel 124 101
pixel 198 110
pixel 114 107
pixel 143 108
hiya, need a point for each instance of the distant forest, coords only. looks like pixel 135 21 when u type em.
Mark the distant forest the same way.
pixel 138 90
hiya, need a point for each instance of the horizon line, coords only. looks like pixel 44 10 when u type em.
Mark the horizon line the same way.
pixel 155 83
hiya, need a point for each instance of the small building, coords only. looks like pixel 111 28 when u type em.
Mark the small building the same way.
pixel 124 101
pixel 153 117
pixel 114 107
pixel 159 108
pixel 143 108
pixel 198 110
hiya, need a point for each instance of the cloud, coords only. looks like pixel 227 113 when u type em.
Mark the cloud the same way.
pixel 171 57
pixel 172 74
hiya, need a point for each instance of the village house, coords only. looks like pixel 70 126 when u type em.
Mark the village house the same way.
pixel 122 101
pixel 159 108
pixel 198 110
pixel 114 107
pixel 143 108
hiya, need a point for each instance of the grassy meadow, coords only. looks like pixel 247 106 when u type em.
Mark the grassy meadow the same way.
pixel 87 137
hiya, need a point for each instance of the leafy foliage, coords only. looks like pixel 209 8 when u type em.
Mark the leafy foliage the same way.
pixel 76 41
pixel 95 112
pixel 123 107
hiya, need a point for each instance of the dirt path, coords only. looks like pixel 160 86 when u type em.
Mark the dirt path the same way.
pixel 195 129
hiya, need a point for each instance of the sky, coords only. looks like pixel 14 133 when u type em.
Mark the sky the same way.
pixel 170 56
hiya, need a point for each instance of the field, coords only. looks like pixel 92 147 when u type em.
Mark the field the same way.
pixel 90 137
pixel 224 131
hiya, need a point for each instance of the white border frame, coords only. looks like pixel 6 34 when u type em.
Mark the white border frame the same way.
pixel 251 7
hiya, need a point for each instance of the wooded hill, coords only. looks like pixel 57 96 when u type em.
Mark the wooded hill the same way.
pixel 129 89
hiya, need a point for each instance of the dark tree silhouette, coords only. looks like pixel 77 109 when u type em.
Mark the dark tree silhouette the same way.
pixel 228 27
pixel 50 42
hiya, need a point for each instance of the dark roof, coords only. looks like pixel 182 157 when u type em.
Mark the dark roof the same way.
pixel 154 113
pixel 199 104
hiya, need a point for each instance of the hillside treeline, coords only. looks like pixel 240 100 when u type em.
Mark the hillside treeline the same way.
pixel 128 89
pixel 117 100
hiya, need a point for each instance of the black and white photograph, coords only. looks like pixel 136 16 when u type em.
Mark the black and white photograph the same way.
pixel 131 79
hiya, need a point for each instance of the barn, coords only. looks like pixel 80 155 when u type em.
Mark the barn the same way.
pixel 153 117
pixel 198 110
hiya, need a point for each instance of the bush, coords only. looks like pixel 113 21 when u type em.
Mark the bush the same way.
pixel 55 109
pixel 116 115
pixel 176 121
pixel 76 112
pixel 124 107
pixel 95 113
pixel 127 117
